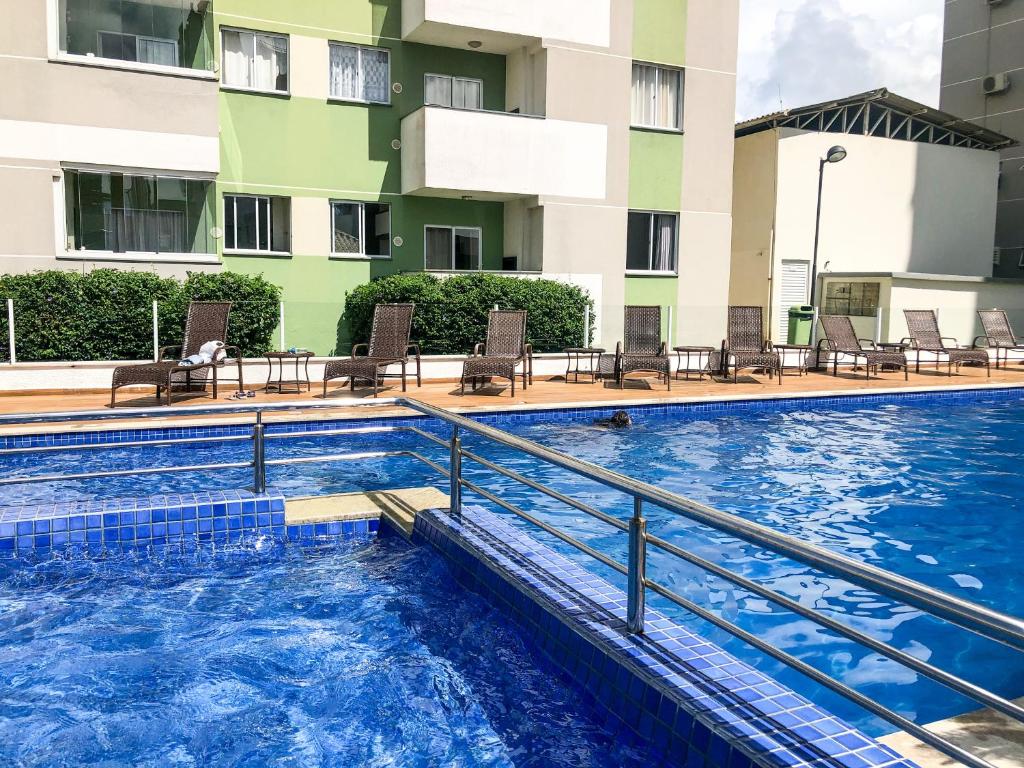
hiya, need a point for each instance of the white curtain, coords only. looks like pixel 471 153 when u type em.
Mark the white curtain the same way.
pixel 437 248
pixel 270 66
pixel 376 75
pixel 645 80
pixel 238 56
pixel 664 245
pixel 345 72
pixel 466 94
pixel 154 51
pixel 668 99
pixel 437 89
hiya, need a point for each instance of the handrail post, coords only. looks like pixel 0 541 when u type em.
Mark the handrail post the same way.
pixel 259 466
pixel 636 579
pixel 455 468
pixel 10 332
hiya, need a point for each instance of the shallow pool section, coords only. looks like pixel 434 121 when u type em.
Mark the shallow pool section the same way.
pixel 355 652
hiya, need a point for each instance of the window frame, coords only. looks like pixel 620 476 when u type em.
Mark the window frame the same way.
pixel 829 308
pixel 651 214
pixel 659 68
pixel 251 89
pixel 254 251
pixel 452 79
pixel 454 228
pixel 362 255
pixel 345 99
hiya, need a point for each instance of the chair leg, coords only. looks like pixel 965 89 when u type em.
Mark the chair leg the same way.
pixel 375 384
pixel 112 391
pixel 403 377
pixel 215 383
pixel 325 388
pixel 513 379
pixel 988 369
pixel 241 385
pixel 169 389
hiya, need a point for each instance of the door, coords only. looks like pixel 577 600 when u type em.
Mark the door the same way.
pixel 794 288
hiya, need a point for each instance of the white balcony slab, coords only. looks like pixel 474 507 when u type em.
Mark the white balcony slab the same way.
pixel 501 26
pixel 499 156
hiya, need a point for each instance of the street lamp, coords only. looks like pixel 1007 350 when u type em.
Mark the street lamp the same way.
pixel 835 155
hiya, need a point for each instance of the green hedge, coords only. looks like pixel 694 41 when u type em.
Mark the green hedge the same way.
pixel 451 313
pixel 107 314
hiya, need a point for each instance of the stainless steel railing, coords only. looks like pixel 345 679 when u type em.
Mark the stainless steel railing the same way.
pixel 970 616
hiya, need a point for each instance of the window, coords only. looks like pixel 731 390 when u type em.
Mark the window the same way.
pixel 255 61
pixel 458 92
pixel 361 229
pixel 657 97
pixel 257 223
pixel 651 241
pixel 360 74
pixel 451 248
pixel 127 213
pixel 163 32
pixel 857 299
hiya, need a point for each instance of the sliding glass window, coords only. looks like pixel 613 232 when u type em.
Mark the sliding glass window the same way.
pixel 170 33
pixel 127 213
pixel 257 224
pixel 255 61
pixel 361 230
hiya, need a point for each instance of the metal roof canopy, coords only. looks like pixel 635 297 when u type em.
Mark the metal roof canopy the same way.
pixel 883 114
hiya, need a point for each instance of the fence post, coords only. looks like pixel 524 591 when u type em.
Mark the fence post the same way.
pixel 586 326
pixel 669 328
pixel 10 331
pixel 259 466
pixel 814 328
pixel 878 325
pixel 280 324
pixel 455 468
pixel 156 332
pixel 637 574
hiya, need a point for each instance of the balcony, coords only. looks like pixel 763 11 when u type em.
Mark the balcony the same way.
pixel 501 26
pixel 499 156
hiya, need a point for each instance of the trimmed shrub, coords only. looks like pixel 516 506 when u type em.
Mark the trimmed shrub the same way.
pixel 451 313
pixel 107 314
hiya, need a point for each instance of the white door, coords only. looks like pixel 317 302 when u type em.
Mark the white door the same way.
pixel 794 284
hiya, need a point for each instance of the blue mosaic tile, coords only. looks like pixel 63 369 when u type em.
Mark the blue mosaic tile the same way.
pixel 698 705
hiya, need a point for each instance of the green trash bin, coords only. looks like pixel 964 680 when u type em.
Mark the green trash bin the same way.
pixel 801 319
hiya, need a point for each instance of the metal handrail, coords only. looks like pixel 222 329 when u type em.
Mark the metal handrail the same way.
pixel 970 616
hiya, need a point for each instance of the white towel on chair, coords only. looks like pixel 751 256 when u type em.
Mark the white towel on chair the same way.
pixel 210 352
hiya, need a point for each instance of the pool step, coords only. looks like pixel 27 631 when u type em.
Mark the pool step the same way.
pixel 398 507
pixel 987 734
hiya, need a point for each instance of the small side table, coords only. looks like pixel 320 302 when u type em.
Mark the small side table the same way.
pixel 294 386
pixel 576 356
pixel 893 346
pixel 803 355
pixel 689 352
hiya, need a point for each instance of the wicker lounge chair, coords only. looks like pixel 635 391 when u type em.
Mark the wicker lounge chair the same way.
pixel 841 339
pixel 746 345
pixel 998 335
pixel 207 321
pixel 389 345
pixel 923 327
pixel 642 349
pixel 503 352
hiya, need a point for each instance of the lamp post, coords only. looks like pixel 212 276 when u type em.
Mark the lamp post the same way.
pixel 834 155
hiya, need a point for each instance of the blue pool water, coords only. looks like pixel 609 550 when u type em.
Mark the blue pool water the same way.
pixel 354 653
pixel 931 490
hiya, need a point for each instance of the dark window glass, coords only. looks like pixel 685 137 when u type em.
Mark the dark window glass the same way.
pixel 467 249
pixel 854 299
pixel 638 242
pixel 377 229
pixel 245 224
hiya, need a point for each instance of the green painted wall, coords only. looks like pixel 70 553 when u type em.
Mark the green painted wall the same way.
pixel 659 31
pixel 306 147
pixel 662 291
pixel 655 170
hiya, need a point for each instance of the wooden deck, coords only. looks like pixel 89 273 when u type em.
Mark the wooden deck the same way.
pixel 550 392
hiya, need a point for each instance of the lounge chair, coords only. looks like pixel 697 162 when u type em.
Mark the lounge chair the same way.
pixel 207 321
pixel 841 339
pixel 503 352
pixel 641 348
pixel 746 345
pixel 389 345
pixel 923 327
pixel 998 335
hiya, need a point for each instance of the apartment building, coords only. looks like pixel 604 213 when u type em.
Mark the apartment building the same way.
pixel 983 81
pixel 325 144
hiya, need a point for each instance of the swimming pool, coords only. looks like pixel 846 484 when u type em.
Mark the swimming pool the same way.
pixel 900 484
pixel 355 652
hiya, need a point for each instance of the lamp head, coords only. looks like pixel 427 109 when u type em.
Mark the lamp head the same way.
pixel 835 155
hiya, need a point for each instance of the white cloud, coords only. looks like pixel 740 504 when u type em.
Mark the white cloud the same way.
pixel 807 51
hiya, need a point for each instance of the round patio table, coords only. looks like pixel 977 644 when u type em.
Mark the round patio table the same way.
pixel 576 356
pixel 294 386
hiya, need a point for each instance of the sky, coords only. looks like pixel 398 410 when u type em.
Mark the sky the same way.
pixel 803 52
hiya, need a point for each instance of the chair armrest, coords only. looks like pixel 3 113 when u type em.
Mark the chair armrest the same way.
pixel 231 351
pixel 357 347
pixel 527 350
pixel 870 342
pixel 663 350
pixel 827 342
pixel 618 349
pixel 975 344
pixel 415 348
pixel 910 341
pixel 944 339
pixel 768 346
pixel 165 350
pixel 478 348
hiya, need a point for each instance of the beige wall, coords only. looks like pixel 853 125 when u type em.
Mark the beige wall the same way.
pixel 753 220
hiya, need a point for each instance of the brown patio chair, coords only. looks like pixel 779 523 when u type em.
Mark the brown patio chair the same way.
pixel 923 327
pixel 503 352
pixel 746 345
pixel 389 345
pixel 842 340
pixel 998 335
pixel 207 321
pixel 642 349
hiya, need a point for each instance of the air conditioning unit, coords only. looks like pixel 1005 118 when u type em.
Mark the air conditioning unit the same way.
pixel 998 83
pixel 996 256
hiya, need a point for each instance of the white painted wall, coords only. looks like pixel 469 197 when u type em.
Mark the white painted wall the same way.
pixel 496 154
pixel 585 22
